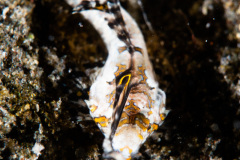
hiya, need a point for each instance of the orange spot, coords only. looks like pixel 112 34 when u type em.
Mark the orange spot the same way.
pixel 140 136
pixel 103 121
pixel 93 108
pixel 153 128
pixel 162 116
pixel 150 112
pixel 99 7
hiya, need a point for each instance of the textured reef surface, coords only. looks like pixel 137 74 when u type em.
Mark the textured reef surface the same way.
pixel 46 55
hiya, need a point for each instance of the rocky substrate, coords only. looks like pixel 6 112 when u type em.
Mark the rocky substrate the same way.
pixel 46 55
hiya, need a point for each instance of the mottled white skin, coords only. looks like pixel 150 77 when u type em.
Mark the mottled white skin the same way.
pixel 74 3
pixel 101 88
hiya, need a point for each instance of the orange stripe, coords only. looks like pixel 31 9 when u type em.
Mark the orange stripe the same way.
pixel 141 125
pixel 138 49
pixel 121 68
pixel 141 72
pixel 122 122
pixel 143 119
pixel 121 49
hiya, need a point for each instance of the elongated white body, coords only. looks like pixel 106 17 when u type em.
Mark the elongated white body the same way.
pixel 125 100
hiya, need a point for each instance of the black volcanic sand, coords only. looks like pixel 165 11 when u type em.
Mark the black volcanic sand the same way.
pixel 185 55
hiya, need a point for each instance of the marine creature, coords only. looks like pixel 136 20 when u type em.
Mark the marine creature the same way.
pixel 125 100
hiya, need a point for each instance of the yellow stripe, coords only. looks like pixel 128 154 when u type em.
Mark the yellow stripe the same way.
pixel 128 75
